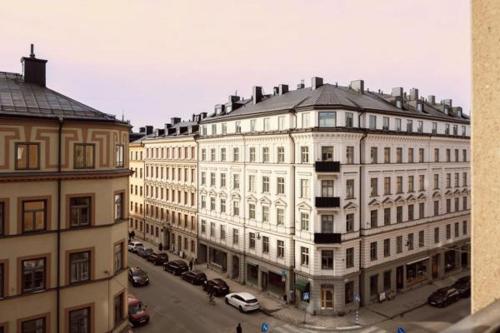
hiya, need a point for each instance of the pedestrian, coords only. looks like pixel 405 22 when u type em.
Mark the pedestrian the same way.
pixel 239 329
pixel 191 264
pixel 160 247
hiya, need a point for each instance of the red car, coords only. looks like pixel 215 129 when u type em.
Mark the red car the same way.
pixel 137 313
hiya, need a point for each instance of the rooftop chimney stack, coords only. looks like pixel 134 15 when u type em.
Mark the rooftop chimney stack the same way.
pixel 149 129
pixel 431 99
pixel 301 85
pixel 175 120
pixel 257 94
pixel 358 85
pixel 413 94
pixel 283 89
pixel 34 69
pixel 397 92
pixel 275 91
pixel 447 102
pixel 316 82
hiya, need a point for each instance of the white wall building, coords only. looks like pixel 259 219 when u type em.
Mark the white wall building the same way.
pixel 335 191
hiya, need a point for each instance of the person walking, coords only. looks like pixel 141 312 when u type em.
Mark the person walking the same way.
pixel 239 329
pixel 160 247
pixel 191 264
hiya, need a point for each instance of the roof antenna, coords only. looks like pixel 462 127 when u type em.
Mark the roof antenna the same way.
pixel 32 53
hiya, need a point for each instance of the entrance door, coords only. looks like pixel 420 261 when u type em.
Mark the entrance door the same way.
pixel 435 266
pixel 264 280
pixel 236 268
pixel 327 297
pixel 465 258
pixel 400 277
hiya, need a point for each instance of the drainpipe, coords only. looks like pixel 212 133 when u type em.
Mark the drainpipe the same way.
pixel 195 138
pixel 361 169
pixel 244 212
pixel 291 199
pixel 58 279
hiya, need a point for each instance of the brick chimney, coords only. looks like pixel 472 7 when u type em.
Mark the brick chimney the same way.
pixel 34 69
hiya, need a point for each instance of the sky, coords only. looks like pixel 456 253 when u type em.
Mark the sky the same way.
pixel 151 60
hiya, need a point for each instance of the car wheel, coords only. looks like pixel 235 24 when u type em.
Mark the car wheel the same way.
pixel 241 309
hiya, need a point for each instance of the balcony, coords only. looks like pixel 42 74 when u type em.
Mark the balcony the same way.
pixel 327 202
pixel 327 238
pixel 327 166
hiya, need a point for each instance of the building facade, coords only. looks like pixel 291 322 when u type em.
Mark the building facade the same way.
pixel 137 211
pixel 63 210
pixel 327 193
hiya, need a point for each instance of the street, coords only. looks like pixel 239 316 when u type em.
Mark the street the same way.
pixel 177 306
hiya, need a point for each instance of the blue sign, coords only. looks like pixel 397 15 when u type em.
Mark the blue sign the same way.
pixel 305 296
pixel 264 327
pixel 401 330
pixel 357 298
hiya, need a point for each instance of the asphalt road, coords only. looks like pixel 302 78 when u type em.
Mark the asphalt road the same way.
pixel 177 306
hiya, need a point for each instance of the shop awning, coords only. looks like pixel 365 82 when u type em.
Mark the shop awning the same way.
pixel 418 260
pixel 301 284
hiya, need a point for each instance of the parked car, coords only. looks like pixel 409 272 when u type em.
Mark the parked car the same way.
pixel 138 277
pixel 144 252
pixel 463 286
pixel 137 311
pixel 158 258
pixel 443 297
pixel 194 277
pixel 219 287
pixel 245 302
pixel 133 246
pixel 176 267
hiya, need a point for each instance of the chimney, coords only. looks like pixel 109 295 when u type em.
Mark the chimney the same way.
pixel 233 98
pixel 193 129
pixel 275 91
pixel 301 85
pixel 166 127
pixel 283 89
pixel 142 130
pixel 34 69
pixel 175 120
pixel 397 92
pixel 358 85
pixel 413 94
pixel 447 102
pixel 316 82
pixel 219 109
pixel 159 132
pixel 257 94
pixel 203 115
pixel 149 129
pixel 431 99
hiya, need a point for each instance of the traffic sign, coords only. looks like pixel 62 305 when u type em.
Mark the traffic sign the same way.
pixel 264 327
pixel 305 296
pixel 357 298
pixel 401 330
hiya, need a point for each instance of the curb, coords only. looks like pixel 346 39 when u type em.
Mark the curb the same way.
pixel 332 329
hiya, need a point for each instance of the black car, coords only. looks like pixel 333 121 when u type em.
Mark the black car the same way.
pixel 463 286
pixel 176 267
pixel 158 258
pixel 443 297
pixel 144 252
pixel 137 277
pixel 219 287
pixel 194 277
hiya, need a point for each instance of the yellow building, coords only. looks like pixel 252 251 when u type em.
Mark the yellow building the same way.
pixel 63 210
pixel 136 149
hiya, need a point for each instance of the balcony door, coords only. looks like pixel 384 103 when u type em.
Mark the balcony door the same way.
pixel 327 224
pixel 327 188
pixel 327 153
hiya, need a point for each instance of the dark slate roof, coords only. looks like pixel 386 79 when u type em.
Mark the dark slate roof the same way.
pixel 334 96
pixel 18 98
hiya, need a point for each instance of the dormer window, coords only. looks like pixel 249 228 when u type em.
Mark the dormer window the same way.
pixel 327 119
pixel 409 125
pixel 214 129
pixel 447 129
pixel 372 122
pixel 420 126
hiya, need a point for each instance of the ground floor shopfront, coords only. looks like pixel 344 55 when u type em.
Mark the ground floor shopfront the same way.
pixel 180 242
pixel 409 272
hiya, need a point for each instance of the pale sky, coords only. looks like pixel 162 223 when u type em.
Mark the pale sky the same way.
pixel 156 59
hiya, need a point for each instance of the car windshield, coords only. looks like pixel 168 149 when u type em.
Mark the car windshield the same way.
pixel 135 308
pixel 441 292
pixel 139 273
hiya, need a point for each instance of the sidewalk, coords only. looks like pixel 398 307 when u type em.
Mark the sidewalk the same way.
pixel 368 315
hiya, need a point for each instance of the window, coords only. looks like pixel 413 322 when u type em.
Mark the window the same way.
pixel 266 124
pixel 411 211
pixel 399 155
pixel 436 181
pixel 464 155
pixel 411 184
pixel 372 122
pixel 235 236
pixel 409 125
pixel 387 216
pixel 222 180
pixel 212 229
pixel 212 179
pixel 280 249
pixel 457 229
pixel 387 185
pixel 464 203
pixel 304 221
pixel 37 325
pixel 252 125
pixel 265 154
pixel 398 124
pixel 304 154
pixel 464 227
pixel 373 251
pixel 118 308
pixel 305 120
pixel 222 232
pixel 223 154
pixel 434 128
pixel 327 188
pixel 251 183
pixel 236 181
pixel 327 119
pixel 421 238
pixel 252 154
pixel 280 216
pixel 212 154
pixel 455 130
pixel 436 154
pixel 27 156
pixel 457 207
pixel 399 184
pixel 385 123
pixel 237 127
pixel 203 201
pixel 464 131
pixel 421 210
pixel 236 154
pixel 387 247
pixel 34 215
pixel 350 189
pixel 79 321
pixel 456 155
pixel 203 154
pixel 373 155
pixel 236 208
pixel 436 235
pixel 327 223
pixel 212 203
pixel 265 214
pixel 265 244
pixel 349 222
pixel 410 242
pixel 420 126
pixel 448 205
pixel 222 205
pixel 304 188
pixel 373 218
pixel 399 244
pixel 350 154
pixel 327 153
pixel 374 187
pixel 265 184
pixel 387 155
pixel 119 209
pixel 436 208
pixel 280 185
pixel 119 151
pixel 214 129
pixel 464 178
pixel 327 259
pixel 79 266
pixel 421 183
pixel 251 243
pixel 118 257
pixel 34 275
pixel 349 257
pixel 410 155
pixel 448 155
pixel 3 286
pixel 84 156
pixel 281 154
pixel 457 179
pixel 421 153
pixel 448 231
pixel 349 119
pixel 304 256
